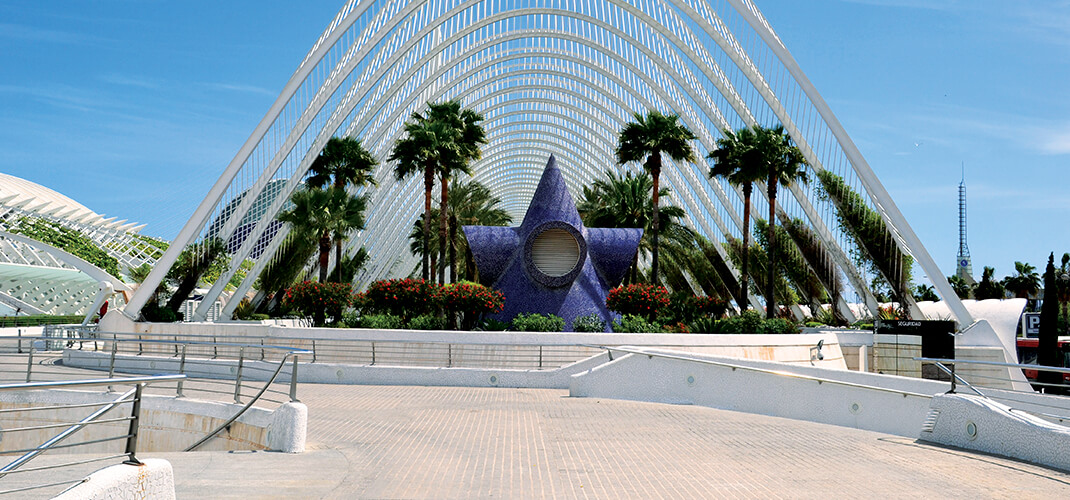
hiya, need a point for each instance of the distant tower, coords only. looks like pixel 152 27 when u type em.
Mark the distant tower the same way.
pixel 964 267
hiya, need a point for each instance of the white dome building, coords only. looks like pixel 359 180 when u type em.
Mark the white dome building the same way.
pixel 56 276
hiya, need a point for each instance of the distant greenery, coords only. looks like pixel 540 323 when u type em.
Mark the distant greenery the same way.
pixel 37 320
pixel 68 240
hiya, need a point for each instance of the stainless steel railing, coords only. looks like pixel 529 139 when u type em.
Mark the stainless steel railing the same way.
pixel 132 397
pixel 736 366
pixel 204 362
pixel 995 388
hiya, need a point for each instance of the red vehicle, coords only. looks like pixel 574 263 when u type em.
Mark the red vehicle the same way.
pixel 1027 355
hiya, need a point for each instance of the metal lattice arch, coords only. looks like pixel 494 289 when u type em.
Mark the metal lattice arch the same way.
pixel 557 77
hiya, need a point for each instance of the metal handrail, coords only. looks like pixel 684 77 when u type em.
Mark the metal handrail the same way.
pixel 996 363
pixel 248 405
pixel 939 362
pixel 133 395
pixel 733 366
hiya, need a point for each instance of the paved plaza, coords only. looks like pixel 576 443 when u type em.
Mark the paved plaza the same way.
pixel 435 442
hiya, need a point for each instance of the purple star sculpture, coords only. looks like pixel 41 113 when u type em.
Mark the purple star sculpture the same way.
pixel 552 264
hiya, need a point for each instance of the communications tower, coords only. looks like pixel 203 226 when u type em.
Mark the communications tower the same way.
pixel 964 266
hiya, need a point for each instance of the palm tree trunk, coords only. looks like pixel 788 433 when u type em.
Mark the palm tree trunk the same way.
pixel 655 172
pixel 325 255
pixel 770 307
pixel 453 249
pixel 442 229
pixel 429 182
pixel 745 276
pixel 338 257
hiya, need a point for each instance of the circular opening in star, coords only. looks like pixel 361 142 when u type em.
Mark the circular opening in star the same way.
pixel 555 252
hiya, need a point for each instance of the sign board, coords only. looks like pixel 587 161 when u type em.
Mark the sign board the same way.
pixel 1031 325
pixel 937 341
pixel 937 337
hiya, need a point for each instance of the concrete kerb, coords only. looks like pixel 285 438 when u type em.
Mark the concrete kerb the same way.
pixel 172 424
pixel 152 479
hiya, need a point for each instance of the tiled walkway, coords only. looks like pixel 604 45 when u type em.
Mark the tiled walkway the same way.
pixel 432 442
pixel 441 442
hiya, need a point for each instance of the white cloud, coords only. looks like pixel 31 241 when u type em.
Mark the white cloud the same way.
pixel 238 87
pixel 1056 142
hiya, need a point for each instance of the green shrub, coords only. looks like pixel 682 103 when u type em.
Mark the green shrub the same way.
pixel 638 299
pixel 631 323
pixel 493 325
pixel 153 312
pixel 535 322
pixel 381 322
pixel 703 325
pixel 427 322
pixel 778 325
pixel 750 321
pixel 589 323
pixel 814 324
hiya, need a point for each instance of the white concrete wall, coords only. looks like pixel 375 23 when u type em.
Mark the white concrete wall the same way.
pixel 153 480
pixel 167 424
pixel 641 378
pixel 976 423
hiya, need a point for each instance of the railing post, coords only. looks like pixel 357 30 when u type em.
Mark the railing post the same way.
pixel 237 381
pixel 135 416
pixel 140 346
pixel 952 378
pixel 293 381
pixel 20 340
pixel 176 345
pixel 449 354
pixel 373 353
pixel 181 370
pixel 111 364
pixel 540 357
pixel 29 364
pixel 313 350
pixel 261 349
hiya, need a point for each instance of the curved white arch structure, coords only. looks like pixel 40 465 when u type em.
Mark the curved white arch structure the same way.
pixel 550 77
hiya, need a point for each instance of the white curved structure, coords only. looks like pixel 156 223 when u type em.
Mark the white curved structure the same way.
pixel 38 278
pixel 555 77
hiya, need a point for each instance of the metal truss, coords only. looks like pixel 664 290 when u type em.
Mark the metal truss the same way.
pixel 554 77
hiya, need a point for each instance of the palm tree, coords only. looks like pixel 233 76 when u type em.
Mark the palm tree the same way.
pixel 320 214
pixel 622 201
pixel 1025 283
pixel 442 142
pixel 471 204
pixel 342 162
pixel 468 137
pixel 646 139
pixel 192 263
pixel 733 160
pixel 783 163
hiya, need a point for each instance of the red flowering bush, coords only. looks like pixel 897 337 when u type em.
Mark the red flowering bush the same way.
pixel 711 306
pixel 472 300
pixel 319 300
pixel 638 299
pixel 401 297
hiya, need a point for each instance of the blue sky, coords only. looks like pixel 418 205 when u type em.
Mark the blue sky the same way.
pixel 133 108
